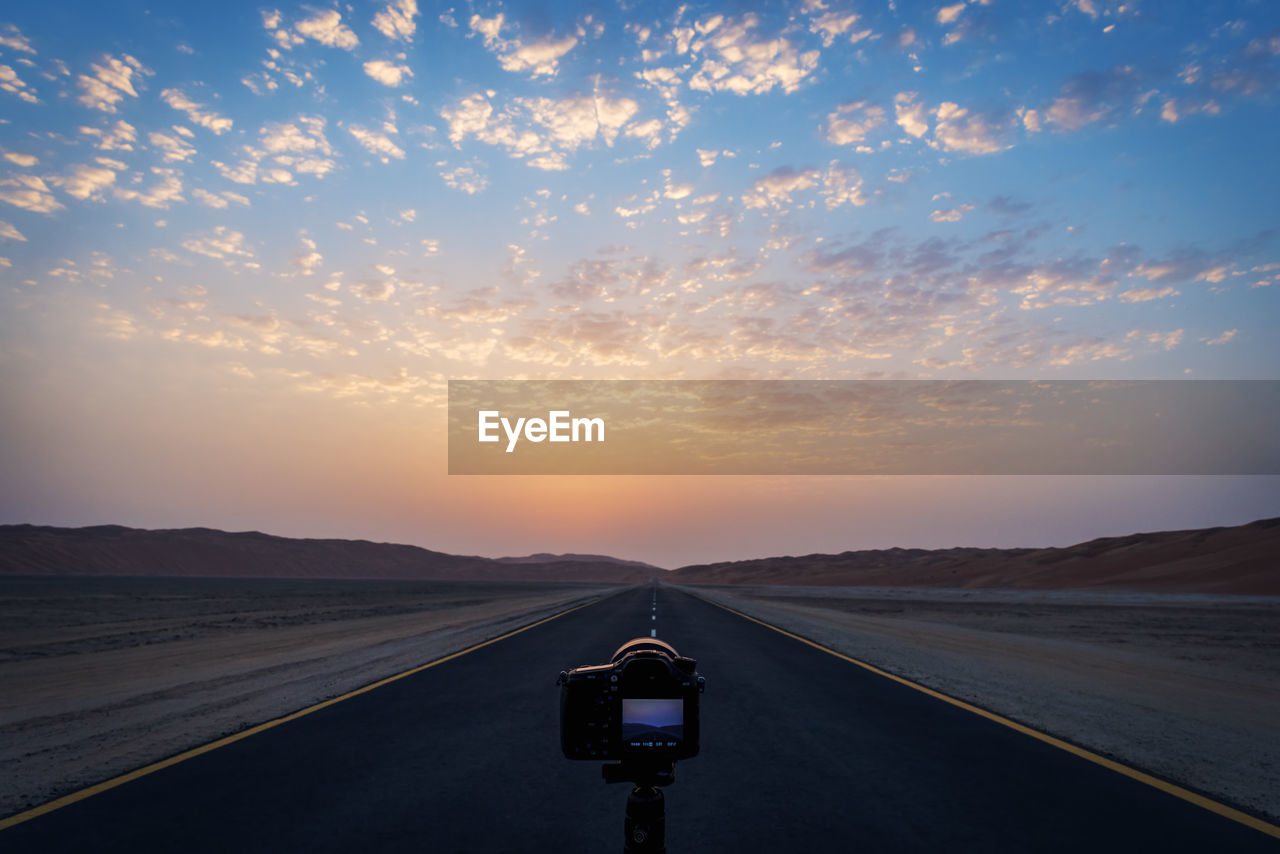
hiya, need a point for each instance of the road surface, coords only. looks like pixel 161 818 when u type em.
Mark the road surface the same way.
pixel 801 752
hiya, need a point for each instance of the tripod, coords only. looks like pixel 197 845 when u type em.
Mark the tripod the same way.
pixel 645 824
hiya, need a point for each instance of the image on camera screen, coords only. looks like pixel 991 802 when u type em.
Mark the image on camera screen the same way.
pixel 652 724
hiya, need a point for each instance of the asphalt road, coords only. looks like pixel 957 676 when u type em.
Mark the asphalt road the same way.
pixel 801 752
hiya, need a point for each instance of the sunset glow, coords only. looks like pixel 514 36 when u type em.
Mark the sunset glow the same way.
pixel 243 249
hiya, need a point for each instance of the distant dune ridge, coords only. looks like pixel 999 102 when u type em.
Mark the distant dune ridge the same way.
pixel 205 552
pixel 1244 559
pixel 544 557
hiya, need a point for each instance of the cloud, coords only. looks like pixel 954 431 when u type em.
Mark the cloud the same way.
pixel 379 291
pixel 541 57
pixel 538 58
pixel 747 65
pixel 1250 70
pixel 1006 206
pixel 650 132
pixel 910 114
pixel 489 28
pixel 308 260
pixel 1092 97
pixel 111 81
pixel 951 215
pixel 541 130
pixel 221 200
pixel 195 112
pixel 377 142
pixel 12 38
pixel 119 137
pixel 9 232
pixel 1221 339
pixel 833 24
pixel 466 179
pixel 84 181
pixel 1087 7
pixel 571 122
pixel 244 172
pixel 1185 265
pixel 304 135
pixel 470 117
pixel 1064 282
pixel 775 189
pixel 667 83
pixel 26 161
pixel 673 190
pixel 1164 340
pixel 948 14
pixel 643 205
pixel 476 307
pixel 971 133
pixel 586 338
pixel 12 83
pixel 286 39
pixel 171 148
pixel 612 279
pixel 116 323
pixel 1146 294
pixel 1153 271
pixel 222 243
pixel 396 20
pixel 300 146
pixel 1213 274
pixel 1088 350
pixel 327 28
pixel 29 193
pixel 167 189
pixel 209 198
pixel 841 185
pixel 387 73
pixel 845 126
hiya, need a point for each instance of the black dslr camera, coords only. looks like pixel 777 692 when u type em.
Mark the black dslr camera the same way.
pixel 642 706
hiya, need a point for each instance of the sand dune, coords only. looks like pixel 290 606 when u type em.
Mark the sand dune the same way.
pixel 1239 560
pixel 209 553
pixel 1242 560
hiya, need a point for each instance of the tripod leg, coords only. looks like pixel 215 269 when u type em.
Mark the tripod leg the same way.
pixel 646 822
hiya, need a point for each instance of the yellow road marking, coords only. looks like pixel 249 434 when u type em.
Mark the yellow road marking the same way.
pixel 1132 773
pixel 67 800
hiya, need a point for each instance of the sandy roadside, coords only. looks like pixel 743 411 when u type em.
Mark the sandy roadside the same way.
pixel 84 698
pixel 1185 687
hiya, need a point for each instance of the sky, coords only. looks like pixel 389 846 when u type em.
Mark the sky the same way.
pixel 244 247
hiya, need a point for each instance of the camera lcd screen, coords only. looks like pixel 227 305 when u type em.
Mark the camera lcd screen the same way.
pixel 649 724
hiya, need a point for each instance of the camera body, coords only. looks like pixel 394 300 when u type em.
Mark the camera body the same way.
pixel 643 705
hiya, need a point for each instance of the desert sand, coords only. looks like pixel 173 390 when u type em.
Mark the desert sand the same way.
pixel 1239 560
pixel 1183 686
pixel 99 676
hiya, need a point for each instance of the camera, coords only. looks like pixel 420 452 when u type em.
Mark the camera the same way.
pixel 643 705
